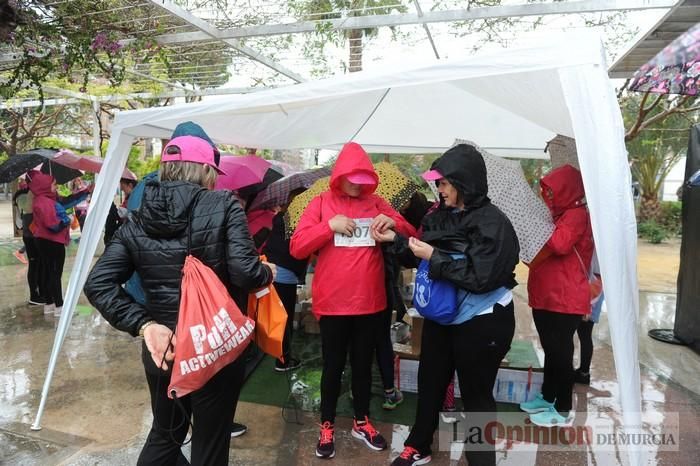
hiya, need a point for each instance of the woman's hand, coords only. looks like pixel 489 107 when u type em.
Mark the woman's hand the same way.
pixel 342 224
pixel 387 236
pixel 420 249
pixel 382 223
pixel 157 338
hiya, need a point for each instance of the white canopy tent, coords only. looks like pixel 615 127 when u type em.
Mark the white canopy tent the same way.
pixel 510 102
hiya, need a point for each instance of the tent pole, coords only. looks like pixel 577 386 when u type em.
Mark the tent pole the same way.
pixel 102 197
pixel 63 325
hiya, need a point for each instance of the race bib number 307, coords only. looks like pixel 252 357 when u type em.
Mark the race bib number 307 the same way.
pixel 360 236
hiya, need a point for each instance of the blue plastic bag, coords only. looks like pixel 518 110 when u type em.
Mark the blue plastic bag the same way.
pixel 434 299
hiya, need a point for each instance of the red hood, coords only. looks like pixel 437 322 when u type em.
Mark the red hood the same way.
pixel 352 159
pixel 40 184
pixel 567 189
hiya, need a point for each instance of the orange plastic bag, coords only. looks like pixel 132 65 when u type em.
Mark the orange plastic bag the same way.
pixel 265 306
pixel 212 332
pixel 75 224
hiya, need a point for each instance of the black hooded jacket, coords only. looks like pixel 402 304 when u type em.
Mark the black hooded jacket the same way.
pixel 480 231
pixel 155 246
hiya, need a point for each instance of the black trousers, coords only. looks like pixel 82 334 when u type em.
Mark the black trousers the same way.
pixel 53 256
pixel 385 351
pixel 338 334
pixel 556 331
pixel 33 268
pixel 288 295
pixel 210 409
pixel 475 350
pixel 585 337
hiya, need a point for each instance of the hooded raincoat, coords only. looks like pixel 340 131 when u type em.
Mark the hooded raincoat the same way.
pixel 347 280
pixel 50 221
pixel 559 283
pixel 480 231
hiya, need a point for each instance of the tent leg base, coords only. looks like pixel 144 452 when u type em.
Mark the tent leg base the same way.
pixel 35 427
pixel 665 335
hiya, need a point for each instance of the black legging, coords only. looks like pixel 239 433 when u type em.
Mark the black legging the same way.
pixel 556 331
pixel 475 349
pixel 288 295
pixel 585 336
pixel 338 335
pixel 33 269
pixel 53 256
pixel 385 351
pixel 211 409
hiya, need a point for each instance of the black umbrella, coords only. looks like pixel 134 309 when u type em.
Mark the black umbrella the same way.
pixel 21 163
pixel 249 193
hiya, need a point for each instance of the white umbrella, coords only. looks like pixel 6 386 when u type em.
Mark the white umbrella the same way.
pixel 562 151
pixel 510 192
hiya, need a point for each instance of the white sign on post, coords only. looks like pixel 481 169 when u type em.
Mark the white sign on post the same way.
pixel 360 236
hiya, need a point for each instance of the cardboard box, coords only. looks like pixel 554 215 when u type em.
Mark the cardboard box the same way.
pixel 404 351
pixel 400 332
pixel 406 375
pixel 512 385
pixel 416 332
pixel 407 280
pixel 408 276
pixel 517 385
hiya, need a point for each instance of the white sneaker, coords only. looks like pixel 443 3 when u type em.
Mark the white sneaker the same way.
pixel 57 311
pixel 49 308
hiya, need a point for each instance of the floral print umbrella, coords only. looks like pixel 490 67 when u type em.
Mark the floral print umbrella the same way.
pixel 674 70
pixel 395 187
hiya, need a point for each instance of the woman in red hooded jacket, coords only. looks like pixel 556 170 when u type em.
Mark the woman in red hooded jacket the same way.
pixel 559 293
pixel 51 229
pixel 348 288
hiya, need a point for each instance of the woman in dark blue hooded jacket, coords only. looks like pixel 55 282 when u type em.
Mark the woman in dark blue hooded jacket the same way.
pixel 471 244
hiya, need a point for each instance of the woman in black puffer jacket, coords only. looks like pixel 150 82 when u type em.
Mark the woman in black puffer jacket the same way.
pixel 155 246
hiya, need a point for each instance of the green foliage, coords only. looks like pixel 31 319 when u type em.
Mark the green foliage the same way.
pixel 51 142
pixel 534 170
pixel 671 215
pixel 652 232
pixel 321 10
pixel 64 190
pixel 411 165
pixel 57 40
pixel 654 150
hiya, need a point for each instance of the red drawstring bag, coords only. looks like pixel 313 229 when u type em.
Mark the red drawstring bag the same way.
pixel 211 330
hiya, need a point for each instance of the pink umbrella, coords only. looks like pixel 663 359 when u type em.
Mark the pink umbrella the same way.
pixel 86 163
pixel 241 171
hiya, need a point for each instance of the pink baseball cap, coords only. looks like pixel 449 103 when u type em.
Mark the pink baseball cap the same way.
pixel 432 175
pixel 190 149
pixel 361 178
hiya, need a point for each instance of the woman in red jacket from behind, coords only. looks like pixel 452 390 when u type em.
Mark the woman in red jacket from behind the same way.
pixel 348 288
pixel 559 293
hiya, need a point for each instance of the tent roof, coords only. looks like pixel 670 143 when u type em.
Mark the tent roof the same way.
pixel 512 104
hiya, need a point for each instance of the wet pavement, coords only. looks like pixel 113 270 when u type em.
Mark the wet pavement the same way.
pixel 98 413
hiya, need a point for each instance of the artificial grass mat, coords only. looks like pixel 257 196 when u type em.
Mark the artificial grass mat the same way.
pixel 301 388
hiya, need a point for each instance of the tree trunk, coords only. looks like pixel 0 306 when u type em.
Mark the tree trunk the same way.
pixel 650 208
pixel 355 45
